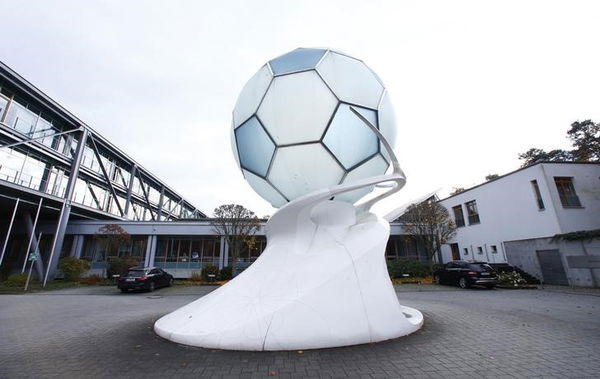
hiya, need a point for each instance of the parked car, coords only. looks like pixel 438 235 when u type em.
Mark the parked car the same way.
pixel 466 274
pixel 144 278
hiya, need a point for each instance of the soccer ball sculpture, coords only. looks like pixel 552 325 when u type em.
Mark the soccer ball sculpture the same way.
pixel 311 133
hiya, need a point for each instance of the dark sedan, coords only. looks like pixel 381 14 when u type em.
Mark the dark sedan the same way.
pixel 466 274
pixel 144 278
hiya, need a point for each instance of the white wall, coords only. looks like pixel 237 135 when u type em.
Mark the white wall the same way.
pixel 508 209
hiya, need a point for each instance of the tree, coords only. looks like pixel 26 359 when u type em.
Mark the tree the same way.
pixel 110 238
pixel 585 137
pixel 491 177
pixel 534 155
pixel 238 225
pixel 456 190
pixel 430 223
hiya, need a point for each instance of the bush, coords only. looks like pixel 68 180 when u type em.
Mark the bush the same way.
pixel 511 278
pixel 16 280
pixel 412 267
pixel 120 265
pixel 73 268
pixel 225 273
pixel 196 277
pixel 92 280
pixel 209 270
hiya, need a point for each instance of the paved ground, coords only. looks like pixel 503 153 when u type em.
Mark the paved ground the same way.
pixel 98 332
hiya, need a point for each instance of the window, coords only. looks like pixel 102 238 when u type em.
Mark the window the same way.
pixel 538 195
pixel 566 191
pixel 459 218
pixel 494 249
pixel 466 251
pixel 472 212
pixel 479 250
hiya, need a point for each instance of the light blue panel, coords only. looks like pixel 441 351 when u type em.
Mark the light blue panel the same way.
pixel 349 139
pixel 297 60
pixel 254 146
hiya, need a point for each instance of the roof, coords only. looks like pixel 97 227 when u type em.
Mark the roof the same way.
pixel 515 171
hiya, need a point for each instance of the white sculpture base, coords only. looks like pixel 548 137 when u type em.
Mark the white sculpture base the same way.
pixel 321 282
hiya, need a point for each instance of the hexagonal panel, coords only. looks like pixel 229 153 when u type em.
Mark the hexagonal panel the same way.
pixel 297 108
pixel 264 189
pixel 387 123
pixel 351 80
pixel 349 139
pixel 251 95
pixel 298 170
pixel 296 60
pixel 373 167
pixel 255 147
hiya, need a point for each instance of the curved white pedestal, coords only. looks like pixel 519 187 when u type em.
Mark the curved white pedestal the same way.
pixel 321 282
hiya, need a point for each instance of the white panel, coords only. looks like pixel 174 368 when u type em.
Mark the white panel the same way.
pixel 373 167
pixel 233 146
pixel 298 170
pixel 351 80
pixel 264 189
pixel 387 122
pixel 297 108
pixel 251 95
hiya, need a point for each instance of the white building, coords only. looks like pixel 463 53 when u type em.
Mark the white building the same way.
pixel 538 201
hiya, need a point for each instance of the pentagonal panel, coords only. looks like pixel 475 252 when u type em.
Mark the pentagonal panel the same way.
pixel 387 122
pixel 349 138
pixel 298 170
pixel 373 167
pixel 264 189
pixel 297 60
pixel 351 80
pixel 297 108
pixel 254 146
pixel 251 95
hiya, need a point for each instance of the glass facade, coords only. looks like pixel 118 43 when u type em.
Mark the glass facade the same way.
pixel 46 168
pixel 405 247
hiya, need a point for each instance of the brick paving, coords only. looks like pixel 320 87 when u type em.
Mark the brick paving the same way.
pixel 97 332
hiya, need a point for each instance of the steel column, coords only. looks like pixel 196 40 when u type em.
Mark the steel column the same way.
pixel 65 210
pixel 32 234
pixel 12 219
pixel 160 203
pixel 129 189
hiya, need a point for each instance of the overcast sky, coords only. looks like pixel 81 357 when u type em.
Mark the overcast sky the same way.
pixel 473 83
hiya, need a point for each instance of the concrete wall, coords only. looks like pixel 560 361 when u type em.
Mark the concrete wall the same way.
pixel 508 209
pixel 523 254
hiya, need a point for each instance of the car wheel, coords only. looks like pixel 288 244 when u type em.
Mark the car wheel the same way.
pixel 436 279
pixel 462 283
pixel 170 282
pixel 151 287
pixel 124 290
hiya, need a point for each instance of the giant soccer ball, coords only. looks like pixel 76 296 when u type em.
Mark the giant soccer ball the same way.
pixel 293 131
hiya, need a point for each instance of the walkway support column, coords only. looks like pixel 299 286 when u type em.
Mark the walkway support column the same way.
pixel 65 210
pixel 12 220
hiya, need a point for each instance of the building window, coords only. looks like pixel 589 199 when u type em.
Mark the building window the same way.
pixel 472 212
pixel 459 218
pixel 466 251
pixel 479 250
pixel 494 249
pixel 538 195
pixel 566 191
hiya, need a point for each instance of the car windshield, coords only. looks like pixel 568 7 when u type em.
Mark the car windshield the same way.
pixel 481 267
pixel 135 273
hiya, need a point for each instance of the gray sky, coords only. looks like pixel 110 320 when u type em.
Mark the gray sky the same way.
pixel 473 83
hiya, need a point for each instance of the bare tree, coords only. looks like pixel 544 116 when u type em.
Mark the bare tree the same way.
pixel 238 225
pixel 110 238
pixel 456 190
pixel 430 223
